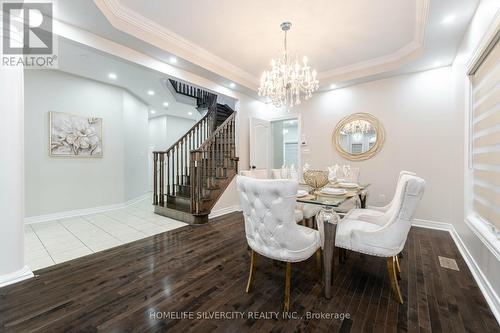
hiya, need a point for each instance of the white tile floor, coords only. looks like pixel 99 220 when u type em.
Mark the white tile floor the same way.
pixel 54 242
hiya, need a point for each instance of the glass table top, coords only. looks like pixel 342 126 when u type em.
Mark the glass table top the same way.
pixel 317 198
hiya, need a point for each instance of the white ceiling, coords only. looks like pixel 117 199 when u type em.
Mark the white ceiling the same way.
pixel 86 62
pixel 247 33
pixel 233 41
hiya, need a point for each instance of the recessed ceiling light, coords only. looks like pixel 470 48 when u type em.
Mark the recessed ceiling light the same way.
pixel 449 19
pixel 152 111
pixel 151 92
pixel 190 113
pixel 232 85
pixel 112 76
pixel 333 86
pixel 173 60
pixel 165 104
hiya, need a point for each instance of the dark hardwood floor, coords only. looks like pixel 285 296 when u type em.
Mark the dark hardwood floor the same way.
pixel 203 270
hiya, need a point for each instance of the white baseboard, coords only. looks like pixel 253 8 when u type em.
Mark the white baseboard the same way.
pixel 83 212
pixel 432 225
pixel 484 285
pixel 17 276
pixel 224 211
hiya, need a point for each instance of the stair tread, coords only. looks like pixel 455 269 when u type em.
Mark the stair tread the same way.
pixel 224 163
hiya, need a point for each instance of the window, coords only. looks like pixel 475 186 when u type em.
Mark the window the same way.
pixel 291 151
pixel 285 146
pixel 485 137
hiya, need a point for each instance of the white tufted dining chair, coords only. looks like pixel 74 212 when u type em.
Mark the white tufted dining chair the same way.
pixel 371 213
pixel 387 236
pixel 277 174
pixel 255 173
pixel 270 227
pixel 308 211
pixel 262 174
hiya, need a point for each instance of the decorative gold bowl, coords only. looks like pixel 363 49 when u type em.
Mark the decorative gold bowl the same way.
pixel 316 178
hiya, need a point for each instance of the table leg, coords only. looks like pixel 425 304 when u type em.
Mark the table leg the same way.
pixel 328 260
pixel 327 220
pixel 362 199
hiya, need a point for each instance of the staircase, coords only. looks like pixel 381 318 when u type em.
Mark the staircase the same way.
pixel 191 175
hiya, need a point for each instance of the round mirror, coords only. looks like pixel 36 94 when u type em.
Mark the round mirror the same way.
pixel 358 136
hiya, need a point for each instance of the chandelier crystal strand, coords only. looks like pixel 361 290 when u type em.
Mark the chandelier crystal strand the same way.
pixel 288 80
pixel 357 126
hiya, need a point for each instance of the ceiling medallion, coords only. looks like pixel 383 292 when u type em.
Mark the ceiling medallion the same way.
pixel 288 80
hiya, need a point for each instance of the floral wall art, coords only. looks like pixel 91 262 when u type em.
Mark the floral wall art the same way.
pixel 74 135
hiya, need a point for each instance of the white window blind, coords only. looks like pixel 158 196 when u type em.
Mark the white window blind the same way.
pixel 486 138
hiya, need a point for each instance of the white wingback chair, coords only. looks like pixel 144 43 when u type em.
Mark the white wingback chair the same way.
pixel 255 173
pixel 308 211
pixel 262 174
pixel 386 235
pixel 371 213
pixel 270 227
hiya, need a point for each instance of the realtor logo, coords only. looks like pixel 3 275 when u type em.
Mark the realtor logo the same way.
pixel 27 35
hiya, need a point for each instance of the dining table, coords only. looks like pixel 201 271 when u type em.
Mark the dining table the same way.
pixel 328 218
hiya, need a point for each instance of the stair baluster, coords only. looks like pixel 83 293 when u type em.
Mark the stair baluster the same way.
pixel 200 165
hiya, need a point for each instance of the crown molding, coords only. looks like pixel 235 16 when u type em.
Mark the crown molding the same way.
pixel 373 66
pixel 128 21
pixel 108 46
pixel 390 61
pixel 485 45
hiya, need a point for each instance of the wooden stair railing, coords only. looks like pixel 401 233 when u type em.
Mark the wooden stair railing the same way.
pixel 203 98
pixel 213 165
pixel 192 174
pixel 171 167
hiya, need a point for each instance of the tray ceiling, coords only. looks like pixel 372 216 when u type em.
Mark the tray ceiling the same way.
pixel 236 39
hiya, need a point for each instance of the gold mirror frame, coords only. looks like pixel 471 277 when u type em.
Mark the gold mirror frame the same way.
pixel 379 129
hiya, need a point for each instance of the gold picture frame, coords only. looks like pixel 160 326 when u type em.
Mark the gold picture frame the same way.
pixel 372 151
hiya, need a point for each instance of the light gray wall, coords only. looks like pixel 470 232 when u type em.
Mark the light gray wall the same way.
pixel 166 130
pixel 135 124
pixel 177 127
pixel 63 184
pixel 158 133
pixel 421 135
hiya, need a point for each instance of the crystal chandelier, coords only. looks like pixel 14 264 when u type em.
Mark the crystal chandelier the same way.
pixel 357 126
pixel 287 79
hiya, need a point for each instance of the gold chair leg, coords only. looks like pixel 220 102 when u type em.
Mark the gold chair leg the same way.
pixel 391 269
pixel 398 268
pixel 252 270
pixel 288 276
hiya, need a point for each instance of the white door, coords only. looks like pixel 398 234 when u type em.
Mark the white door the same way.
pixel 260 141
